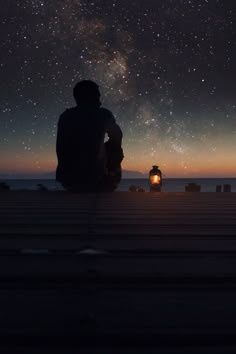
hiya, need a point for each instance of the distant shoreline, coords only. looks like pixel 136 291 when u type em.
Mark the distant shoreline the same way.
pixel 169 184
pixel 126 178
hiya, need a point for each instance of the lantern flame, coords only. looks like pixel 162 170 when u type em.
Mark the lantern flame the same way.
pixel 155 179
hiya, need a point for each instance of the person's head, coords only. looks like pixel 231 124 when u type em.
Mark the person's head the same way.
pixel 86 92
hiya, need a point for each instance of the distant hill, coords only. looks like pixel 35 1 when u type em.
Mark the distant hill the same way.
pixel 133 174
pixel 125 174
pixel 51 175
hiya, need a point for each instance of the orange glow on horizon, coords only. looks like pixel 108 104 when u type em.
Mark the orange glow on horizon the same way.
pixel 25 163
pixel 172 165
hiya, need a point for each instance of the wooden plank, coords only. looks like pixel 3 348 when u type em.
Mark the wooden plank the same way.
pixel 116 267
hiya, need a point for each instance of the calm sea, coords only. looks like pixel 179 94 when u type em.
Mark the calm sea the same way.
pixel 169 184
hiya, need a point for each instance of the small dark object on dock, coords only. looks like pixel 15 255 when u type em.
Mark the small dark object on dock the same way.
pixel 133 188
pixel 227 188
pixel 41 187
pixel 4 186
pixel 192 187
pixel 218 188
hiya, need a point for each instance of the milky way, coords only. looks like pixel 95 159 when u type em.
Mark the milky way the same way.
pixel 166 69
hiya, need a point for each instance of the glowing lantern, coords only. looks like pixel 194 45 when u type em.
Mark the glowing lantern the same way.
pixel 155 179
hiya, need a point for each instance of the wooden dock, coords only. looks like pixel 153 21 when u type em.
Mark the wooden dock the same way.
pixel 117 273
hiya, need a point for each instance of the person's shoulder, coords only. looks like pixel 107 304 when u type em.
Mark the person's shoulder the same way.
pixel 106 113
pixel 69 112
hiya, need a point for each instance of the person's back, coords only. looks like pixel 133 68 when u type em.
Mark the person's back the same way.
pixel 82 158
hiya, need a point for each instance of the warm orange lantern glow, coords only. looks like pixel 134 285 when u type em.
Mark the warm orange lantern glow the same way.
pixel 155 179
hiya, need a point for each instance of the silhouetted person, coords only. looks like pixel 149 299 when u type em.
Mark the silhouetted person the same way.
pixel 85 162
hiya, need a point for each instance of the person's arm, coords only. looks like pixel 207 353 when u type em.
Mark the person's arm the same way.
pixel 62 139
pixel 114 132
pixel 113 145
pixel 59 141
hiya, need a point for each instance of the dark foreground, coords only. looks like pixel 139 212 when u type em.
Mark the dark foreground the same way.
pixel 121 273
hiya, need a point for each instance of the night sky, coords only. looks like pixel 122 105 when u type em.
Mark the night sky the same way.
pixel 166 69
